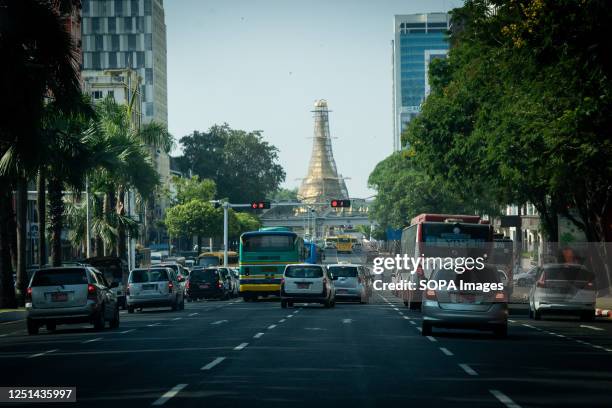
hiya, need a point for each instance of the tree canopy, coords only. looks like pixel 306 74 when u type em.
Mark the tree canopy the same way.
pixel 242 164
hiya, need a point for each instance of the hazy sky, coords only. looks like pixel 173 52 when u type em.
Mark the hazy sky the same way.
pixel 262 64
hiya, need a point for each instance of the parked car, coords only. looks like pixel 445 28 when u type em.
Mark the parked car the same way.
pixel 350 282
pixel 154 287
pixel 66 295
pixel 563 289
pixel 470 309
pixel 206 283
pixel 525 279
pixel 307 283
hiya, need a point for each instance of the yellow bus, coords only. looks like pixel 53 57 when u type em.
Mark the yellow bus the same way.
pixel 207 259
pixel 345 244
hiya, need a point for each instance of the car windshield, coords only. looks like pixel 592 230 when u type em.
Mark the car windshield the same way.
pixel 343 271
pixel 54 277
pixel 204 275
pixel 149 275
pixel 568 274
pixel 304 272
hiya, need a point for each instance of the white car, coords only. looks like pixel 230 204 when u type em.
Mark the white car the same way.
pixel 563 289
pixel 350 282
pixel 307 283
pixel 154 287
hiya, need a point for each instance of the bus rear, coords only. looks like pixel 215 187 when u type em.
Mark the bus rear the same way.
pixel 344 245
pixel 440 236
pixel 263 257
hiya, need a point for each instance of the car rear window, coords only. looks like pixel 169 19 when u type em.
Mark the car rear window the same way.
pixel 204 275
pixel 59 277
pixel 568 274
pixel 485 275
pixel 304 272
pixel 343 271
pixel 145 275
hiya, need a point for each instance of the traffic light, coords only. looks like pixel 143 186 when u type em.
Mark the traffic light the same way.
pixel 340 203
pixel 260 205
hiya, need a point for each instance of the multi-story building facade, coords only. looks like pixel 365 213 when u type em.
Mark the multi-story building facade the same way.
pixel 418 39
pixel 120 34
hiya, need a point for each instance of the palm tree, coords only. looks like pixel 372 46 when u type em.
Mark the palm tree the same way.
pixel 38 62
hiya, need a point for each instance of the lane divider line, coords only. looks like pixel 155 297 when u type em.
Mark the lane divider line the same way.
pixel 92 340
pixel 169 394
pixel 193 314
pixel 270 327
pixel 241 346
pixel 504 399
pixel 213 363
pixel 446 351
pixel 412 322
pixel 281 320
pixel 43 353
pixel 406 317
pixel 468 369
pixel 591 327
pixel 419 329
pixel 127 331
pixel 177 318
pixel 432 339
pixel 152 324
pixel 258 335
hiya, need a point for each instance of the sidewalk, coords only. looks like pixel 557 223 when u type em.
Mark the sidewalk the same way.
pixel 11 315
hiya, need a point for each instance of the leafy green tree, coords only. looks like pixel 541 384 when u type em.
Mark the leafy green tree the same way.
pixel 243 166
pixel 245 222
pixel 194 189
pixel 194 218
pixel 284 194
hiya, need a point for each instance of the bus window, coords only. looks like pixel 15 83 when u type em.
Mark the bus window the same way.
pixel 268 243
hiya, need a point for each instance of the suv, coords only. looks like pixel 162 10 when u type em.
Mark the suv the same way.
pixel 350 282
pixel 154 287
pixel 563 288
pixel 70 295
pixel 205 283
pixel 307 283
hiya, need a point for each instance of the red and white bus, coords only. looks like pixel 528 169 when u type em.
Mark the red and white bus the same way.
pixel 440 236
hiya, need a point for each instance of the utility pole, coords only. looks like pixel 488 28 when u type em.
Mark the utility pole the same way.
pixel 88 221
pixel 226 207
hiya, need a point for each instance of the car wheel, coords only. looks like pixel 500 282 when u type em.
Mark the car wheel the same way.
pixel 283 304
pixel 130 309
pixel 100 321
pixel 32 327
pixel 537 315
pixel 115 322
pixel 501 331
pixel 426 329
pixel 587 316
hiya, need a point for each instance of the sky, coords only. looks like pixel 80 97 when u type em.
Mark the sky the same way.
pixel 261 64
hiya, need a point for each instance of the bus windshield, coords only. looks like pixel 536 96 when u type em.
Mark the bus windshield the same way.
pixel 271 243
pixel 457 239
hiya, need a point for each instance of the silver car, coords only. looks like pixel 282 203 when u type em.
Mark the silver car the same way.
pixel 70 295
pixel 563 289
pixel 154 287
pixel 461 308
pixel 350 281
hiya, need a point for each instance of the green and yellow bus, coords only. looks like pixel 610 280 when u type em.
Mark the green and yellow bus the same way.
pixel 263 257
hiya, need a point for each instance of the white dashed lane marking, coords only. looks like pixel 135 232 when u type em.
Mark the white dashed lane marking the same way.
pixel 241 346
pixel 270 327
pixel 446 351
pixel 468 369
pixel 504 399
pixel 169 394
pixel 213 363
pixel 591 327
pixel 43 353
pixel 258 335
pixel 92 340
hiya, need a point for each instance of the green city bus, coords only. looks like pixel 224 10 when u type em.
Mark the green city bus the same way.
pixel 263 257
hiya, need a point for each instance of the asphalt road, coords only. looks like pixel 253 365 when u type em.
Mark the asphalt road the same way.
pixel 233 354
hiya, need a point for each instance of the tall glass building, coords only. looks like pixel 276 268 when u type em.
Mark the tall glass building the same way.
pixel 129 34
pixel 419 38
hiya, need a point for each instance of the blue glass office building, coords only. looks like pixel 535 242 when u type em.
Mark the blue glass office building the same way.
pixel 419 38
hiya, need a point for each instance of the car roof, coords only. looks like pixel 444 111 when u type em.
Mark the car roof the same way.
pixel 305 264
pixel 343 264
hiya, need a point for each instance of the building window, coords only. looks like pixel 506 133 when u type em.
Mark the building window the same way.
pixel 140 59
pixel 139 24
pixel 129 61
pixel 112 60
pixel 127 24
pixel 147 7
pixel 95 60
pixel 111 94
pixel 115 42
pixel 134 7
pixel 148 76
pixel 149 109
pixel 119 8
pixel 85 6
pixel 132 42
pixel 96 94
pixel 112 25
pixel 99 43
pixel 95 25
pixel 148 41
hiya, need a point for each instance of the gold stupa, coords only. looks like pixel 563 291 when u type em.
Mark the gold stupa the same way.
pixel 322 183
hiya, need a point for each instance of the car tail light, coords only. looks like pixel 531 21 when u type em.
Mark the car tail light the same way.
pixel 127 290
pixel 541 283
pixel 430 294
pixel 219 284
pixel 589 285
pixel 500 297
pixel 91 292
pixel 187 285
pixel 29 294
pixel 170 287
